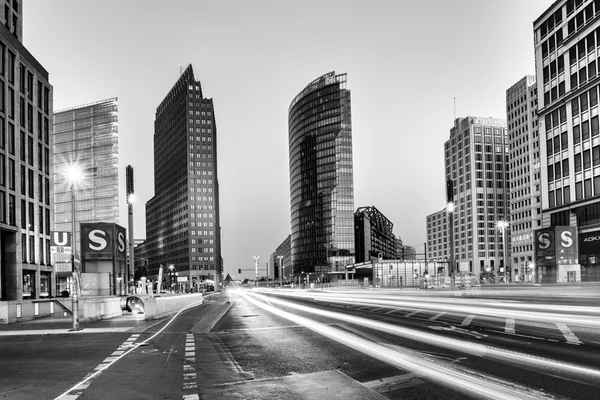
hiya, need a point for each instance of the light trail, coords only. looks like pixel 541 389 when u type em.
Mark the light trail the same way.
pixel 525 361
pixel 450 375
pixel 471 307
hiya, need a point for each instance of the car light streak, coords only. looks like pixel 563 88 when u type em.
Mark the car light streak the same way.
pixel 452 375
pixel 476 349
pixel 473 308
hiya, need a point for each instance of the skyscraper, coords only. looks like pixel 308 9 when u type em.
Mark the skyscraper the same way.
pixel 86 138
pixel 525 174
pixel 321 177
pixel 25 168
pixel 567 42
pixel 476 159
pixel 182 219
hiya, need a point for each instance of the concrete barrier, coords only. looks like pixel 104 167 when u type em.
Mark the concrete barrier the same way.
pixel 162 306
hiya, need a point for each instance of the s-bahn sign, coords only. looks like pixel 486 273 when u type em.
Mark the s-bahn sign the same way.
pixel 60 242
pixel 103 241
pixel 556 245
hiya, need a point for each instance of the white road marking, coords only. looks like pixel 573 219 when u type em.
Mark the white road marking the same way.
pixel 568 334
pixel 413 313
pixel 467 320
pixel 436 316
pixel 189 371
pixel 510 325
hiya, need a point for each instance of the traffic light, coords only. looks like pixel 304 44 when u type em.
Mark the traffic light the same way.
pixel 239 271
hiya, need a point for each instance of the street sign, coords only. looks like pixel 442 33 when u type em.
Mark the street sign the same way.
pixel 60 250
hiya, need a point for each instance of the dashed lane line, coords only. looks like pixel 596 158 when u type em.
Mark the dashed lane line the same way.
pixel 568 334
pixel 467 321
pixel 436 316
pixel 510 325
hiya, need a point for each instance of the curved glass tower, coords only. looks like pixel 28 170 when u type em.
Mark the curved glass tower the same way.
pixel 321 178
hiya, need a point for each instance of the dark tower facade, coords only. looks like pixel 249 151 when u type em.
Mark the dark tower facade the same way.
pixel 321 177
pixel 182 219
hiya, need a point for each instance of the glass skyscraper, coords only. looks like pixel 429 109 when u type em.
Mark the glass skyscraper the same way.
pixel 182 219
pixel 85 137
pixel 321 177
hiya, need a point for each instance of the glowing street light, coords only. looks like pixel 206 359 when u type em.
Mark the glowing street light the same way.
pixel 503 225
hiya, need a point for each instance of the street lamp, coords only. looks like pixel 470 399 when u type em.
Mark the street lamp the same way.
pixel 130 270
pixel 256 258
pixel 450 211
pixel 73 176
pixel 171 268
pixel 502 225
pixel 281 269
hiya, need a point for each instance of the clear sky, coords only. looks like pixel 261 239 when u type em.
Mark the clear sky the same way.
pixel 406 61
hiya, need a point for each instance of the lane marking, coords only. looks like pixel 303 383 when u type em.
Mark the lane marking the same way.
pixel 568 334
pixel 67 395
pixel 190 385
pixel 467 320
pixel 436 316
pixel 510 325
pixel 412 313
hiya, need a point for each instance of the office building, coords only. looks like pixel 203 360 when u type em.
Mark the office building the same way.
pixel 182 219
pixel 321 177
pixel 281 258
pixel 437 236
pixel 567 41
pixel 373 235
pixel 476 160
pixel 26 270
pixel 524 173
pixel 85 138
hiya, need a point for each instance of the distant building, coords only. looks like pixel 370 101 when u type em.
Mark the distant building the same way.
pixel 285 252
pixel 85 138
pixel 373 235
pixel 182 219
pixel 410 253
pixel 400 248
pixel 321 177
pixel 566 38
pixel 476 161
pixel 26 167
pixel 525 173
pixel 437 236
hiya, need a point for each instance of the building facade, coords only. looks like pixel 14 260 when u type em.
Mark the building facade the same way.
pixel 567 50
pixel 281 260
pixel 373 235
pixel 85 138
pixel 525 174
pixel 26 168
pixel 321 177
pixel 437 236
pixel 476 161
pixel 182 219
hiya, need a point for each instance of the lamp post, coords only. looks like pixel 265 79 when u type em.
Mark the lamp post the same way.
pixel 130 270
pixel 450 211
pixel 502 225
pixel 171 268
pixel 281 269
pixel 256 258
pixel 74 175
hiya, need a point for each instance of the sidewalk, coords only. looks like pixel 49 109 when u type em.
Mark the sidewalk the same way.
pixel 134 323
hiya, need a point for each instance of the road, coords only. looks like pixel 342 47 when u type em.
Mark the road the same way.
pixel 267 344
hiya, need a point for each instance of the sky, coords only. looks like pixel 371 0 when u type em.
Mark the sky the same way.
pixel 410 64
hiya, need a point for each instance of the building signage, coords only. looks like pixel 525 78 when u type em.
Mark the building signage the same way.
pixel 556 245
pixel 103 240
pixel 544 243
pixel 60 242
pixel 589 242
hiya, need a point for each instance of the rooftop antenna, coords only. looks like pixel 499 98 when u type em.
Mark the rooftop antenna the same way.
pixel 455 108
pixel 180 70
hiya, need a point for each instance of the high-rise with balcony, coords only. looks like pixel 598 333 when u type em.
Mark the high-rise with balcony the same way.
pixel 321 177
pixel 86 138
pixel 182 219
pixel 525 174
pixel 476 160
pixel 567 50
pixel 26 168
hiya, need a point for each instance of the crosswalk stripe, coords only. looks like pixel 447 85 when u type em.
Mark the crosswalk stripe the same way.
pixel 413 313
pixel 467 320
pixel 568 334
pixel 436 316
pixel 510 325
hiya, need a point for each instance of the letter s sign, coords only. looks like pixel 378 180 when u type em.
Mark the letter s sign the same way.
pixel 97 240
pixel 121 240
pixel 566 239
pixel 544 241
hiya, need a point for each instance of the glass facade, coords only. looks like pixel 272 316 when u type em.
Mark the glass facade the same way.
pixel 321 176
pixel 86 137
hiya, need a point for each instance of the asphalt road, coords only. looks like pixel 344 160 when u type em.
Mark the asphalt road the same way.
pixel 313 345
